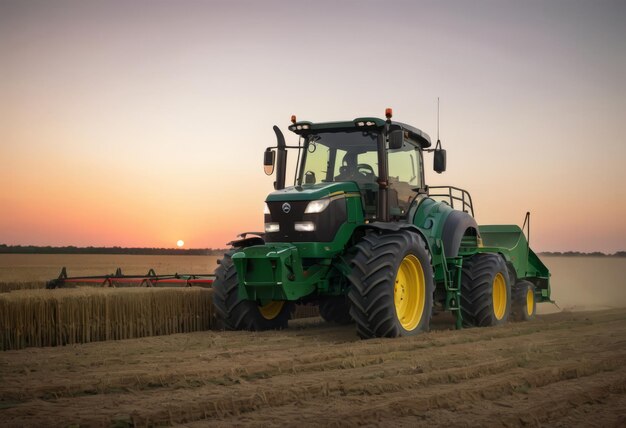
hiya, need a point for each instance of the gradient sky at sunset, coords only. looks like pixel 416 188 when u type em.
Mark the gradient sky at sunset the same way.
pixel 141 123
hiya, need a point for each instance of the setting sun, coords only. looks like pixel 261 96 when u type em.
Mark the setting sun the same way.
pixel 180 242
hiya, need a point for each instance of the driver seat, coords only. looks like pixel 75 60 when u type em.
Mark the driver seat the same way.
pixel 350 170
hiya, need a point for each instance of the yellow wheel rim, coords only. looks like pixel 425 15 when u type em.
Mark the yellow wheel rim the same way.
pixel 499 296
pixel 272 309
pixel 409 293
pixel 530 302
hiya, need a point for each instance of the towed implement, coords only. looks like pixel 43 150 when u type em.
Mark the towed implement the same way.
pixel 118 279
pixel 363 236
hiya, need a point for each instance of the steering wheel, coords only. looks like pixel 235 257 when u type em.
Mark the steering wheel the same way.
pixel 365 169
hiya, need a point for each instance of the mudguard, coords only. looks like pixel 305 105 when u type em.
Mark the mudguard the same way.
pixel 394 227
pixel 456 225
pixel 246 241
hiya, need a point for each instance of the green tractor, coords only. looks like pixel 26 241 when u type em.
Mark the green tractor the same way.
pixel 361 235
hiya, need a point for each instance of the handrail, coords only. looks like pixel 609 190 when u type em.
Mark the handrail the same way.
pixel 465 198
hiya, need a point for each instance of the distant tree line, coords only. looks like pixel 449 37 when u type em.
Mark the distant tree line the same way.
pixel 70 249
pixel 582 254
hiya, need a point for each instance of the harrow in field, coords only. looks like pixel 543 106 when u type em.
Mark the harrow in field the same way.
pixel 118 279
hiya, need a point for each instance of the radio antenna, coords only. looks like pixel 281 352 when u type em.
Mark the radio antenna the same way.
pixel 437 119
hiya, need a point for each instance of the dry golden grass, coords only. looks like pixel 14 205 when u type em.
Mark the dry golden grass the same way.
pixel 67 316
pixel 89 314
pixel 64 316
pixel 21 285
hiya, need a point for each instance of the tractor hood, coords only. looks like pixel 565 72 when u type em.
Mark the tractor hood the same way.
pixel 310 192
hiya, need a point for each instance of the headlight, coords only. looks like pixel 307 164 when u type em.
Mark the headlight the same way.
pixel 304 226
pixel 272 227
pixel 266 210
pixel 318 206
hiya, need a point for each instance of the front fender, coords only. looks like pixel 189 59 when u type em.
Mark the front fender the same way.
pixel 395 227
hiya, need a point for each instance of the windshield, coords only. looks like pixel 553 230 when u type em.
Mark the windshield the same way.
pixel 353 156
pixel 340 156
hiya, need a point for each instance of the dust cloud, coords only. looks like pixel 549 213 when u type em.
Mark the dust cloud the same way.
pixel 586 283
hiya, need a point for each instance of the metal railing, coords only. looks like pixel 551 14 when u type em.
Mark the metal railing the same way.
pixel 454 196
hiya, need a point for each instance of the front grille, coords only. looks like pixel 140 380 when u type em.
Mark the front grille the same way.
pixel 327 222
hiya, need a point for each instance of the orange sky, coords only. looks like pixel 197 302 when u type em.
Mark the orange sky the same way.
pixel 142 124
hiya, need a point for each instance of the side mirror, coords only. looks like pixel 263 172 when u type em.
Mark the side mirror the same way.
pixel 396 137
pixel 439 161
pixel 269 157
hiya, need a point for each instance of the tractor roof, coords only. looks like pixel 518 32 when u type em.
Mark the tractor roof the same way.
pixel 359 124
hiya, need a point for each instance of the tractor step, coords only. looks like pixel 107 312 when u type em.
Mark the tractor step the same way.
pixel 452 269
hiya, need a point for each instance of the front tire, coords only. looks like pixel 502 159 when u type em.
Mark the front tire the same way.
pixel 234 313
pixel 392 285
pixel 485 291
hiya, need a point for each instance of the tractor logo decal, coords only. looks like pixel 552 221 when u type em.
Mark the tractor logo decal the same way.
pixel 286 207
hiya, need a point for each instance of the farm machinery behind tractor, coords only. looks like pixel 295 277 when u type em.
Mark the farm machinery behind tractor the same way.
pixel 362 235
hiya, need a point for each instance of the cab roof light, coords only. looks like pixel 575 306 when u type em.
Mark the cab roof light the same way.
pixel 299 126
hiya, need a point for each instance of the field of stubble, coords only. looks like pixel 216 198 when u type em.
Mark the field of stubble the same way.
pixel 566 368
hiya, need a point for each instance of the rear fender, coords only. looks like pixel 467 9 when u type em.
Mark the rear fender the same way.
pixel 458 225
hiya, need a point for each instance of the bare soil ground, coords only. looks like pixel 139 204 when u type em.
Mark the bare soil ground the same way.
pixel 564 369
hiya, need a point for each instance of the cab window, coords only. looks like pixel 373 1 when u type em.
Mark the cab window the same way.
pixel 404 176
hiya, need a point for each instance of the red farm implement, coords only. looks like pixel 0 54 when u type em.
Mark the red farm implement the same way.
pixel 151 279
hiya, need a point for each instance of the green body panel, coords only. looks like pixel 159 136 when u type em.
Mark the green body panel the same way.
pixel 310 192
pixel 430 219
pixel 275 272
pixel 509 240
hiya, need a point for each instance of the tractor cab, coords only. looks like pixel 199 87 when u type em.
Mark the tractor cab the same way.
pixel 384 159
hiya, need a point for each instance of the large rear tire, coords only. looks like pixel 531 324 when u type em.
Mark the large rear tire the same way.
pixel 485 291
pixel 234 313
pixel 524 304
pixel 336 309
pixel 392 285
